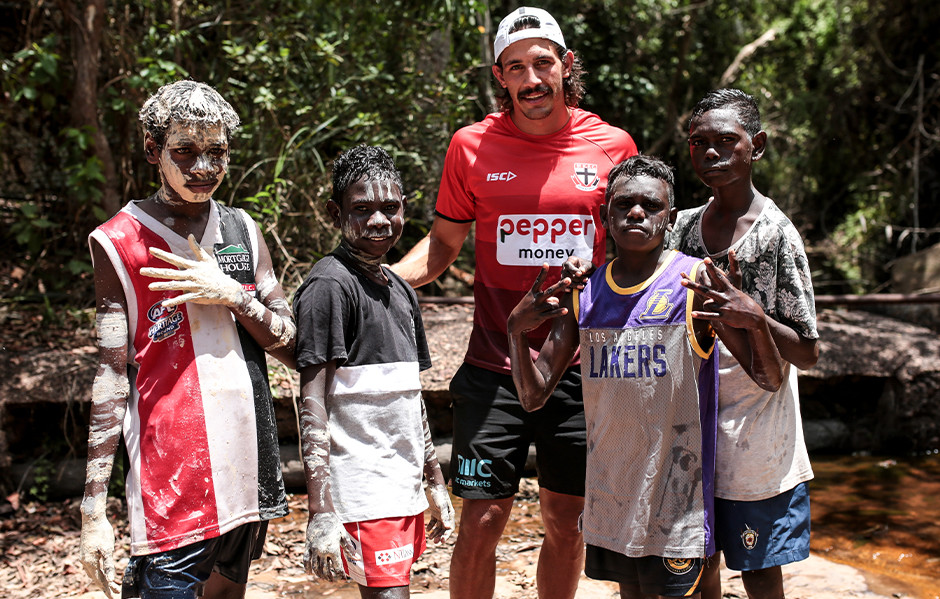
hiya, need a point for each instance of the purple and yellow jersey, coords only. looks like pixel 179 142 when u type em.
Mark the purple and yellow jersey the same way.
pixel 650 398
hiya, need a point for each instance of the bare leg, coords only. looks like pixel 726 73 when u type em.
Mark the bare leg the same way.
pixel 561 559
pixel 711 577
pixel 473 564
pixel 220 587
pixel 384 592
pixel 763 584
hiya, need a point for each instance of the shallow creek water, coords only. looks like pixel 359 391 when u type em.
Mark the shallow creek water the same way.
pixel 878 515
pixel 882 516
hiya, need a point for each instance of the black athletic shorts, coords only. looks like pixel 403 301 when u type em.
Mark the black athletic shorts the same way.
pixel 182 573
pixel 652 575
pixel 492 434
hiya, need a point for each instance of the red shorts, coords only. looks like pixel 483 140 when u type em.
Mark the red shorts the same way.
pixel 384 550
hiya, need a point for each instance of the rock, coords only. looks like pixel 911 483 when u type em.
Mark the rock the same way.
pixel 825 434
pixel 877 376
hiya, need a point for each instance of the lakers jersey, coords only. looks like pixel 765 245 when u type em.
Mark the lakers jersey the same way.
pixel 650 399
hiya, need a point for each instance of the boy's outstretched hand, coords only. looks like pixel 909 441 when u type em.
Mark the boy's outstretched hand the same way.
pixel 538 305
pixel 724 302
pixel 739 321
pixel 201 280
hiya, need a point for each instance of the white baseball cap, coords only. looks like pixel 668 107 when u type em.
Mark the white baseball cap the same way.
pixel 548 29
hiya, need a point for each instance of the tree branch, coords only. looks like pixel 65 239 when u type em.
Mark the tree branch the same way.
pixel 743 54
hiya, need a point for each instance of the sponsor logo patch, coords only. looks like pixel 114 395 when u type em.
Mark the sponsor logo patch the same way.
pixel 749 537
pixel 503 176
pixel 472 472
pixel 678 565
pixel 394 555
pixel 531 239
pixel 585 176
pixel 233 258
pixel 166 322
pixel 474 467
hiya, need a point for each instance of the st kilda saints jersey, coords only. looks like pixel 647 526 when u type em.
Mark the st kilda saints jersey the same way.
pixel 199 427
pixel 651 405
pixel 534 199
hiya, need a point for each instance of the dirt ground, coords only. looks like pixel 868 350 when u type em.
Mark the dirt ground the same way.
pixel 39 559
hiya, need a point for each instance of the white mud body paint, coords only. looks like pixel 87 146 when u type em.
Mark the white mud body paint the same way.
pixel 109 400
pixel 111 328
pixel 315 440
pixel 444 518
pixel 194 178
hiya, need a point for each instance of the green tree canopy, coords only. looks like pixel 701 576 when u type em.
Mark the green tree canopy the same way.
pixel 848 89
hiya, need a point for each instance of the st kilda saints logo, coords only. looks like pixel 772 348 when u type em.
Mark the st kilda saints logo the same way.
pixel 585 176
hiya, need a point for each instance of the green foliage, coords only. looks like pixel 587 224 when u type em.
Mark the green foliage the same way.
pixel 29 227
pixel 37 67
pixel 40 477
pixel 859 242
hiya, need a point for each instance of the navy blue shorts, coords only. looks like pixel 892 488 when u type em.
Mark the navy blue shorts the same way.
pixel 762 534
pixel 492 434
pixel 182 573
pixel 652 575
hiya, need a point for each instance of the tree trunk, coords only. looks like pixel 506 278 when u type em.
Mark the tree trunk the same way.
pixel 87 25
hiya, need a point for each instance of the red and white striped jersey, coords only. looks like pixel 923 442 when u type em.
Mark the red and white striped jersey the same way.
pixel 199 428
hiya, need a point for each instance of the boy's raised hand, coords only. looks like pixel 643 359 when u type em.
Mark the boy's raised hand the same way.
pixel 325 535
pixel 201 280
pixel 724 302
pixel 538 305
pixel 578 270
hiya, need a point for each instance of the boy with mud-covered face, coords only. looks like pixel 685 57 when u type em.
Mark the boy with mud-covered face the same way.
pixel 762 501
pixel 182 367
pixel 364 430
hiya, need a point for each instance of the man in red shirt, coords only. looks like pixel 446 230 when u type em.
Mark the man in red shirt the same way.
pixel 532 178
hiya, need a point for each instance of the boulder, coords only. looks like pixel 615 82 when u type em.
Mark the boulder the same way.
pixel 877 376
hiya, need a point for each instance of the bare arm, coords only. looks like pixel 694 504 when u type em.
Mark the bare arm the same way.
pixel 535 380
pixel 740 323
pixel 201 281
pixel 443 519
pixel 272 326
pixel 431 256
pixel 109 395
pixel 325 533
pixel 795 349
